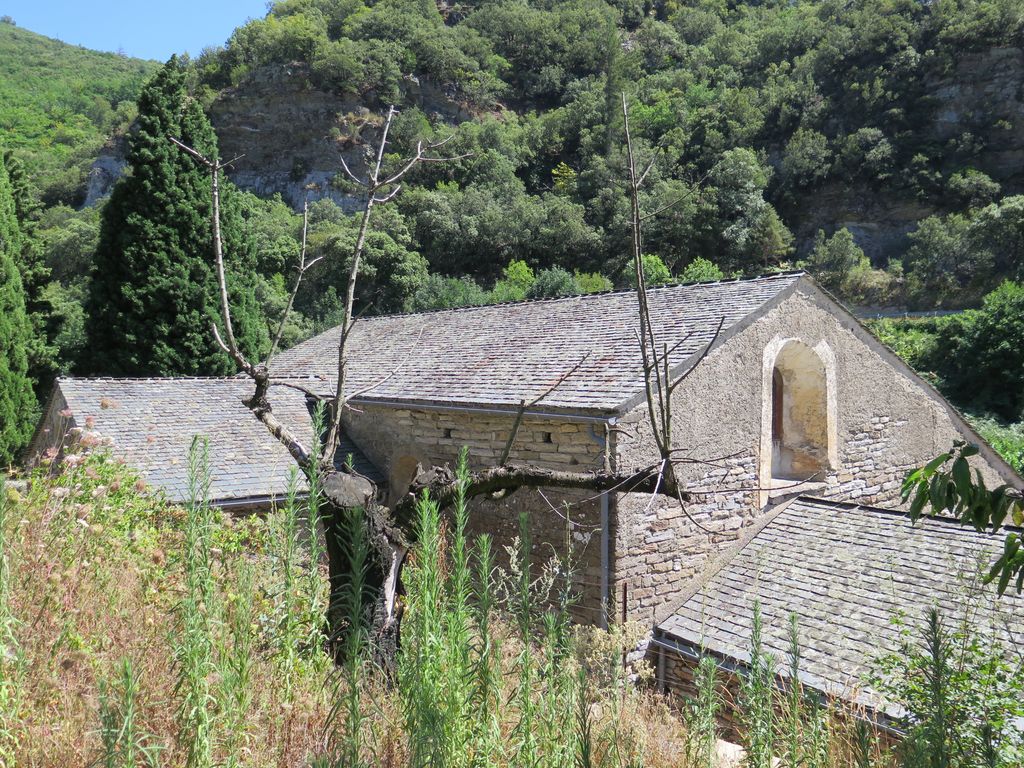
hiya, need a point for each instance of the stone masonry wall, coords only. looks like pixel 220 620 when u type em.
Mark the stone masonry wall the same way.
pixel 885 422
pixel 395 439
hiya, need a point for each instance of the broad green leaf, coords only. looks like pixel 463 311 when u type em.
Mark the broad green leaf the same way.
pixel 934 464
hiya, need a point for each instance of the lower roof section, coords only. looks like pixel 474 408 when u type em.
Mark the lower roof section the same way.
pixel 150 425
pixel 845 571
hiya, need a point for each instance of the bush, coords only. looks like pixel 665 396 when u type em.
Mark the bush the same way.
pixel 982 354
pixel 833 259
pixel 972 188
pixel 701 270
pixel 439 292
pixel 960 692
pixel 1007 439
pixel 592 282
pixel 517 281
pixel 655 271
pixel 552 283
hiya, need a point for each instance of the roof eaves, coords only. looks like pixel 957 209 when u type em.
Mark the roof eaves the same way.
pixel 885 717
pixel 952 522
pixel 553 412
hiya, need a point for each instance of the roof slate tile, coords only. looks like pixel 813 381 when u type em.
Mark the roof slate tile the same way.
pixel 844 571
pixel 503 354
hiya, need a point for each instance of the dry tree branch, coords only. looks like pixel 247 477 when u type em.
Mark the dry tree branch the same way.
pixel 230 345
pixel 303 268
pixel 405 359
pixel 524 406
pixel 372 184
pixel 442 484
pixel 258 373
pixel 704 353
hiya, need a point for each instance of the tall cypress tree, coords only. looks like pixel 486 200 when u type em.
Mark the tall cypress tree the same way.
pixel 153 292
pixel 17 403
pixel 35 279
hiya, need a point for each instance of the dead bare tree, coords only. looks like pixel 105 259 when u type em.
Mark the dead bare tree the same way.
pixel 660 381
pixel 304 266
pixel 390 526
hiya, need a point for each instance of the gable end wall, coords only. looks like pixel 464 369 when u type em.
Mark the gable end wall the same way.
pixel 885 422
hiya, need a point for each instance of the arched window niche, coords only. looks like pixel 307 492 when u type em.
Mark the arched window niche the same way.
pixel 798 438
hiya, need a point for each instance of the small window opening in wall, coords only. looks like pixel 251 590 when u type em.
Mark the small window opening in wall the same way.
pixel 547 437
pixel 448 433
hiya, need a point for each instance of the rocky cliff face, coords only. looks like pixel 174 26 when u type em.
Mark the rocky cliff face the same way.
pixel 105 170
pixel 978 106
pixel 984 95
pixel 292 135
pixel 289 136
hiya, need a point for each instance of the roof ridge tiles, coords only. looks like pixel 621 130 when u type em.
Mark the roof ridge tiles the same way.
pixel 159 379
pixel 594 294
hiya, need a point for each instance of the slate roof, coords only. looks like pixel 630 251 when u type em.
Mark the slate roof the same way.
pixel 844 570
pixel 151 423
pixel 500 355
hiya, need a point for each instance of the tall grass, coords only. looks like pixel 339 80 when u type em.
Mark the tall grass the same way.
pixel 703 715
pixel 193 647
pixel 124 743
pixel 235 662
pixel 489 672
pixel 10 656
pixel 284 537
pixel 346 742
pixel 758 700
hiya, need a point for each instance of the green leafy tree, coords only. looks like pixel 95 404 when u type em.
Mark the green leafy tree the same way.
pixel 937 263
pixel 592 282
pixel 35 278
pixel 439 292
pixel 17 402
pixel 833 258
pixel 153 294
pixel 973 188
pixel 948 486
pixel 515 284
pixel 701 270
pixel 551 283
pixel 807 157
pixel 390 273
pixel 655 271
pixel 752 236
pixel 982 354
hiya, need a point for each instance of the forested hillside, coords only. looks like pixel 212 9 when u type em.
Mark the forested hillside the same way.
pixel 59 104
pixel 877 144
pixel 788 117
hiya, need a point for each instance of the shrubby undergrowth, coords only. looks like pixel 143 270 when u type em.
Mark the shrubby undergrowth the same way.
pixel 137 633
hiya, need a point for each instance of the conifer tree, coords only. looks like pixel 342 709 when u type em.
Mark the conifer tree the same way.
pixel 35 279
pixel 152 298
pixel 17 403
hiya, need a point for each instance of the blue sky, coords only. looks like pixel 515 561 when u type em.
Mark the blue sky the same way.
pixel 148 29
